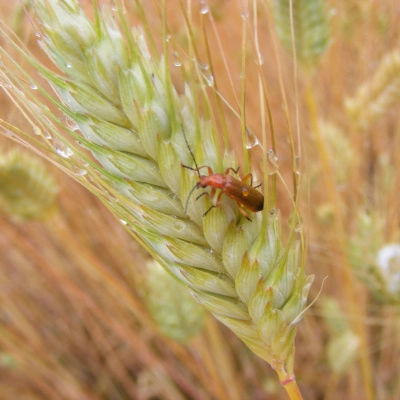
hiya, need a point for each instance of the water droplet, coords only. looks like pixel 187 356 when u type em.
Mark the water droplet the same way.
pixel 62 150
pixel 257 182
pixel 209 79
pixel 244 9
pixel 297 165
pixel 204 8
pixel 203 66
pixel 123 222
pixel 78 171
pixel 168 37
pixel 176 59
pixel 47 135
pixel 68 65
pixel 272 162
pixel 179 225
pixel 259 58
pixel 299 227
pixel 251 139
pixel 37 130
pixel 70 123
pixel 33 86
pixel 206 73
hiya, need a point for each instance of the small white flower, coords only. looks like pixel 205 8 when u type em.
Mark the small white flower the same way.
pixel 388 259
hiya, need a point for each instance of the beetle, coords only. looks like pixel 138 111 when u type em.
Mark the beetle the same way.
pixel 245 195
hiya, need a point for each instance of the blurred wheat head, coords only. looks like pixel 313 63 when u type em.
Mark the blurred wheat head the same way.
pixel 123 138
pixel 27 190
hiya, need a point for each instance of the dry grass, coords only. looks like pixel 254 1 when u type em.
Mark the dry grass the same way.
pixel 73 323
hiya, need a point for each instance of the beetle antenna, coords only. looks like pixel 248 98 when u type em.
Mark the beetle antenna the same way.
pixel 191 153
pixel 196 186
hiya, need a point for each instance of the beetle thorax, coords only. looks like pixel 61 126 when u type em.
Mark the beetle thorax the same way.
pixel 215 181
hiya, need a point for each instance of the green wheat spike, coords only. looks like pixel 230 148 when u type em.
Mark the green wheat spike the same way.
pixel 311 32
pixel 131 119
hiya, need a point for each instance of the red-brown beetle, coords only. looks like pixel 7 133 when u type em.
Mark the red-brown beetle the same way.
pixel 245 195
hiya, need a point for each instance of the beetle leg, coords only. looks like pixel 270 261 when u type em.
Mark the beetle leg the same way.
pixel 217 203
pixel 209 169
pixel 208 195
pixel 211 195
pixel 246 178
pixel 244 213
pixel 251 180
pixel 202 194
pixel 209 210
pixel 235 171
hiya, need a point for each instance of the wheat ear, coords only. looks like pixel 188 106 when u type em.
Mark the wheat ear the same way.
pixel 27 190
pixel 131 119
pixel 375 97
pixel 303 28
pixel 170 305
